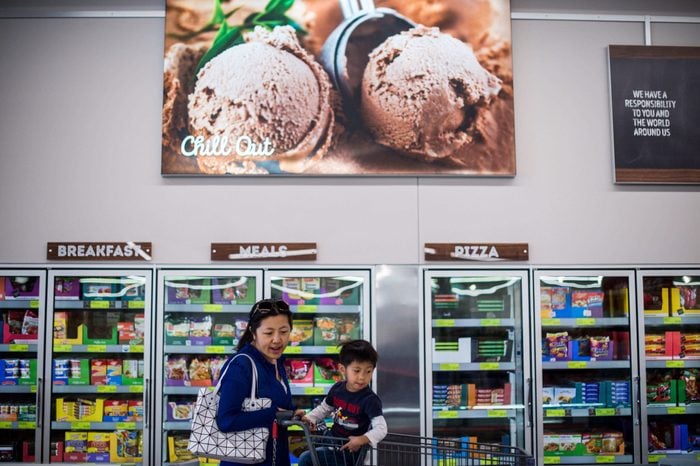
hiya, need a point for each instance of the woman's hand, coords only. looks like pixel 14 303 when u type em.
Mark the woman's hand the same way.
pixel 301 414
pixel 355 443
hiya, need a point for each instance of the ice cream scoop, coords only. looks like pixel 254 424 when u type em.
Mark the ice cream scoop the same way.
pixel 344 54
pixel 421 92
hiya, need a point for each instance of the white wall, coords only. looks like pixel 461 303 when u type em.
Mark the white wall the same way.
pixel 80 103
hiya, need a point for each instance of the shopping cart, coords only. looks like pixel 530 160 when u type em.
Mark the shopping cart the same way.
pixel 410 450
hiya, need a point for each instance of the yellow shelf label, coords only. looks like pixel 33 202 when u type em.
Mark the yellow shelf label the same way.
pixel 135 388
pixel 550 322
pixel 577 364
pixel 605 411
pixel 106 389
pixel 585 321
pixel 26 424
pixel 332 350
pixel 135 348
pixel 19 347
pixel 306 308
pixel 676 410
pixel 605 459
pixel 34 304
pixel 293 350
pixel 489 366
pixel 552 460
pixel 97 348
pixel 675 364
pixel 212 307
pixel 99 304
pixel 33 389
pixel 497 413
pixel 80 425
pixel 444 323
pixel 451 366
pixel 672 320
pixel 314 391
pixel 5 425
pixel 447 414
pixel 62 348
pixel 490 322
pixel 215 349
pixel 656 458
pixel 126 425
pixel 555 412
pixel 136 305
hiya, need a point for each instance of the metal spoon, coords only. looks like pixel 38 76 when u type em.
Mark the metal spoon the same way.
pixel 344 55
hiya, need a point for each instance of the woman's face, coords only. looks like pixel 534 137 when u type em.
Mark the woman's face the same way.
pixel 272 336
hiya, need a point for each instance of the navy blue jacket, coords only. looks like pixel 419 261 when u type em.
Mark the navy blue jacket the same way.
pixel 235 386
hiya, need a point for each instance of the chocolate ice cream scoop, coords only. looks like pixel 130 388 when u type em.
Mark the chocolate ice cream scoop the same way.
pixel 421 92
pixel 344 54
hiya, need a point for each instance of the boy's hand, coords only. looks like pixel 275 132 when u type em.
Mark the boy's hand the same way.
pixel 301 414
pixel 355 443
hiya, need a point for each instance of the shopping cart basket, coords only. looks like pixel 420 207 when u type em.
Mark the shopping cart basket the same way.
pixel 411 450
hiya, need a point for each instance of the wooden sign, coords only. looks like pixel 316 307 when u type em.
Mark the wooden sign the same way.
pixel 482 252
pixel 266 251
pixel 120 251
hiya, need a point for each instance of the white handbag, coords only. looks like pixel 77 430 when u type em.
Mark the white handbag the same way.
pixel 206 440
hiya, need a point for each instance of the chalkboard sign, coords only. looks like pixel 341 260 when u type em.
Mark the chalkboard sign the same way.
pixel 655 102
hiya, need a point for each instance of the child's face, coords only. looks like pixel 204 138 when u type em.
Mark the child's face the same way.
pixel 358 375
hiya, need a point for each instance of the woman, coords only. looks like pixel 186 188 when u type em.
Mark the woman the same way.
pixel 264 340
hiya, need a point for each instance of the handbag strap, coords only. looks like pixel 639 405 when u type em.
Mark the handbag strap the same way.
pixel 254 382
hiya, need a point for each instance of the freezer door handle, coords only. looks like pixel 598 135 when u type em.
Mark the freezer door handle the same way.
pixel 638 400
pixel 147 403
pixel 39 401
pixel 528 405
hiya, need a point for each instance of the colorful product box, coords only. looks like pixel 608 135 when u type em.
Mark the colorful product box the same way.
pixel 326 371
pixel 657 305
pixel 179 410
pixel 111 340
pixel 98 372
pixel 21 288
pixel 135 411
pixel 189 290
pixel 56 452
pixel 131 290
pixel 28 451
pixel 126 332
pixel 80 410
pixel 125 447
pixel 98 444
pixel 557 302
pixel 452 352
pixel 132 371
pixel 76 444
pixel 66 288
pixel 97 290
pixel 116 410
pixel 61 322
pixel 325 331
pixel 302 334
pixel 685 300
pixel 114 372
pixel 300 372
pixel 587 303
pixel 233 290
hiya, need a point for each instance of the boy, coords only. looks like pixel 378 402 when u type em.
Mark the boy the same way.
pixel 355 409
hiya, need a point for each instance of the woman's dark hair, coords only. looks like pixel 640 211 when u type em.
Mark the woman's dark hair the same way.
pixel 260 311
pixel 358 351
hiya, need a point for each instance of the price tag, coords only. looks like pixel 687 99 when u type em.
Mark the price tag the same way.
pixel 551 322
pixel 99 304
pixel 62 348
pixel 212 307
pixel 106 389
pixel 26 424
pixel 605 459
pixel 497 413
pixel 676 410
pixel 135 388
pixel 307 308
pixel 656 458
pixel 33 389
pixel 577 364
pixel 34 304
pixel 489 366
pixel 447 414
pixel 672 320
pixel 97 348
pixel 19 348
pixel 332 350
pixel 5 425
pixel 292 350
pixel 314 391
pixel 449 366
pixel 135 348
pixel 552 460
pixel 605 411
pixel 215 349
pixel 136 304
pixel 555 412
pixel 585 321
pixel 126 426
pixel 490 322
pixel 675 364
pixel 80 425
pixel 444 323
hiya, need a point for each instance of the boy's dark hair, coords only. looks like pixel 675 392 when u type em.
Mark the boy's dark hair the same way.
pixel 358 351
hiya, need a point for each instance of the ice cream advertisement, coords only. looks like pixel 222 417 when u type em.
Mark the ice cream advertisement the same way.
pixel 328 87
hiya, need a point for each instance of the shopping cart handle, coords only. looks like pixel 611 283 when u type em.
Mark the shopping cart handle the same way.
pixel 284 415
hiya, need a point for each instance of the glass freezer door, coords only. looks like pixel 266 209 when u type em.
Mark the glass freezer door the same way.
pixel 476 351
pixel 586 366
pixel 99 366
pixel 670 326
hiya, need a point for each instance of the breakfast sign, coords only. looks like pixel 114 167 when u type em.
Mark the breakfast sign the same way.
pixel 655 103
pixel 301 87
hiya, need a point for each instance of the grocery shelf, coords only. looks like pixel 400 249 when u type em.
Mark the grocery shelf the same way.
pixel 672 363
pixel 177 425
pixel 586 322
pixel 495 412
pixel 20 304
pixel 18 388
pixel 82 305
pixel 124 349
pixel 673 410
pixel 559 412
pixel 586 365
pixel 97 389
pixel 300 309
pixel 182 390
pixel 615 459
pixel 474 366
pixel 18 425
pixel 223 308
pixel 85 425
pixel 468 323
pixel 196 349
pixel 320 390
pixel 292 350
pixel 19 348
pixel 657 321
